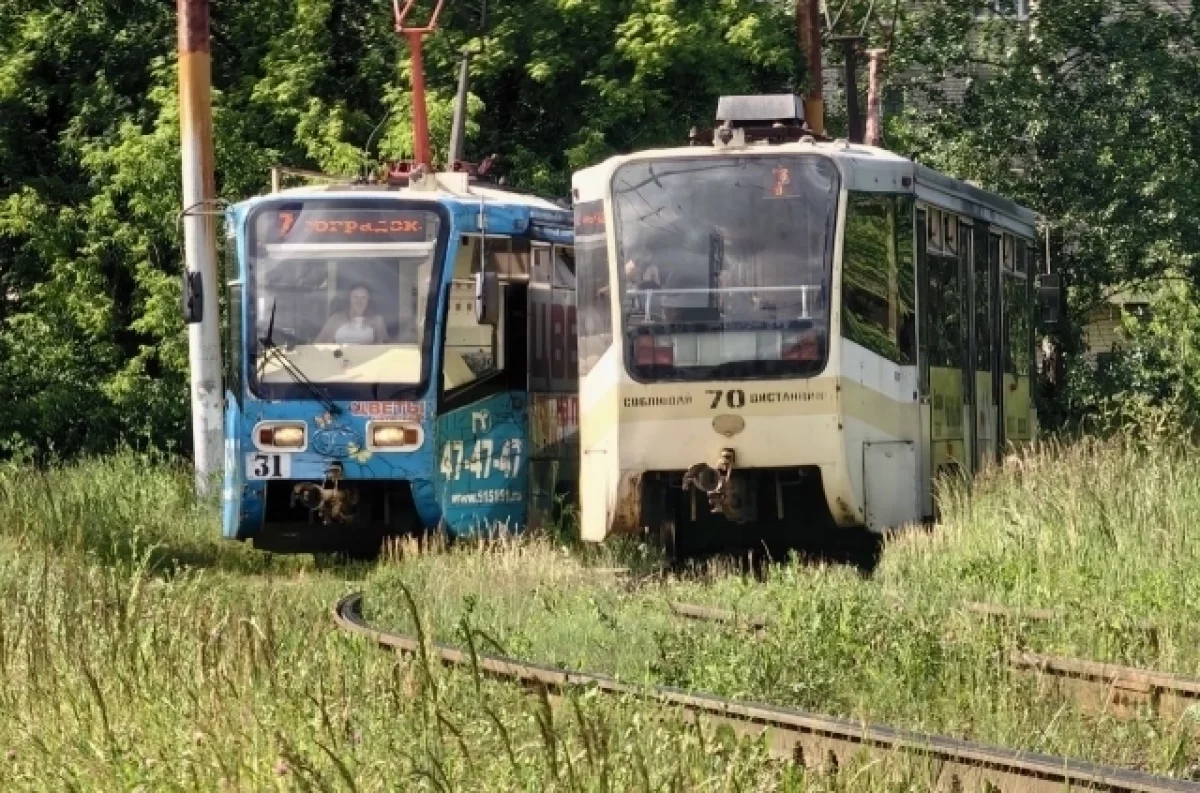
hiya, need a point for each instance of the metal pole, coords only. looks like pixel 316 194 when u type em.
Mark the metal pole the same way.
pixel 874 89
pixel 808 13
pixel 458 130
pixel 199 234
pixel 420 116
pixel 854 132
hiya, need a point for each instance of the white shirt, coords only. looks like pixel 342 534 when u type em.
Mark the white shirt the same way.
pixel 355 332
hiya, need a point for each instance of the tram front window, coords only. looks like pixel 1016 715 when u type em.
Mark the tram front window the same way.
pixel 725 265
pixel 340 296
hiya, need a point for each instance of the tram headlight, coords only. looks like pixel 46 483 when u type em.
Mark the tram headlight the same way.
pixel 280 435
pixel 394 436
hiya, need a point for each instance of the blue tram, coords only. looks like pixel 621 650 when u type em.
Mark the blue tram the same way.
pixel 400 358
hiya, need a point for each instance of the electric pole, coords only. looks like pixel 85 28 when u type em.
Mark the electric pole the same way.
pixel 808 29
pixel 199 235
pixel 874 89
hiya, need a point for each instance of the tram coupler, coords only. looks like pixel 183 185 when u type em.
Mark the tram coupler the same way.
pixel 333 503
pixel 718 484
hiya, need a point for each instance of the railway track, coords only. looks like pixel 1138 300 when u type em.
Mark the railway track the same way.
pixel 1096 686
pixel 813 740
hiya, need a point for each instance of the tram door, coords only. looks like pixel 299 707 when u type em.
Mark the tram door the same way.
pixel 986 346
pixel 943 245
pixel 1016 268
pixel 482 426
pixel 553 384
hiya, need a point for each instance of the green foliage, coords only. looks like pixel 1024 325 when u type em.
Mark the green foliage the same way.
pixel 1083 122
pixel 138 649
pixel 1103 532
pixel 1081 114
pixel 1150 384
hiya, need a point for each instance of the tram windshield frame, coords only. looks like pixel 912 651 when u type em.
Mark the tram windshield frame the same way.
pixel 308 262
pixel 725 264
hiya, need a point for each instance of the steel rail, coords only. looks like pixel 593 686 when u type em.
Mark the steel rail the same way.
pixel 1121 690
pixel 1096 686
pixel 810 739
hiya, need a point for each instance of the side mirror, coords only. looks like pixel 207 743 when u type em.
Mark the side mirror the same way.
pixel 487 298
pixel 1050 299
pixel 193 298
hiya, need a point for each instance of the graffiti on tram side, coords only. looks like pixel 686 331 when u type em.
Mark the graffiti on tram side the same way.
pixel 554 424
pixel 483 462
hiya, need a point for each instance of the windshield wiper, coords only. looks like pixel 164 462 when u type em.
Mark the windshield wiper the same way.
pixel 293 371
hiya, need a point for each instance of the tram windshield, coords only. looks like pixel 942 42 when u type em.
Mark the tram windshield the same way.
pixel 725 265
pixel 340 294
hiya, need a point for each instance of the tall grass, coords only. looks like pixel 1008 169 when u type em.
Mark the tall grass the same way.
pixel 1101 531
pixel 139 651
pixel 1104 532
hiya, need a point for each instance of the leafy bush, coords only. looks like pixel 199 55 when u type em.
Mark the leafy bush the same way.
pixel 1149 386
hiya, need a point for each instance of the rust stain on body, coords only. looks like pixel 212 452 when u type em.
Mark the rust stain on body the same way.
pixel 627 511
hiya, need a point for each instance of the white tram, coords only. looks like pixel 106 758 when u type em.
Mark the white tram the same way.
pixel 778 330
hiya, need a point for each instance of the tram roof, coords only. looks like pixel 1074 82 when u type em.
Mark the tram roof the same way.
pixel 868 168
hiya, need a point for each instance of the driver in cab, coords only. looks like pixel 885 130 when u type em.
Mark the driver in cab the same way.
pixel 356 325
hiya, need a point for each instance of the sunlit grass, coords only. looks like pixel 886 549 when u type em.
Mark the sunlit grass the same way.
pixel 1101 531
pixel 139 649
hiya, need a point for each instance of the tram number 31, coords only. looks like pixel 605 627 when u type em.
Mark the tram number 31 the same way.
pixel 482 461
pixel 733 398
pixel 268 466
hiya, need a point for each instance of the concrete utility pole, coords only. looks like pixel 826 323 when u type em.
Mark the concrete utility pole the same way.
pixel 808 29
pixel 199 234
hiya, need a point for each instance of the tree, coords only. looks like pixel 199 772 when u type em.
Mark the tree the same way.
pixel 1085 114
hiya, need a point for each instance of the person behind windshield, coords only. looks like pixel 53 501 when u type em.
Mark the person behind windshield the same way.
pixel 355 325
pixel 640 280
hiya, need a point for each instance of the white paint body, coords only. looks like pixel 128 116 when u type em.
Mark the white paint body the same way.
pixel 866 426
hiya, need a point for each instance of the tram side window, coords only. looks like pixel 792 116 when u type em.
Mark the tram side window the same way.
pixel 945 293
pixel 877 276
pixel 1017 318
pixel 983 305
pixel 470 348
pixel 593 289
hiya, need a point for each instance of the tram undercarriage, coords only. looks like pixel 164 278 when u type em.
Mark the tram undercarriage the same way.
pixel 703 511
pixel 356 516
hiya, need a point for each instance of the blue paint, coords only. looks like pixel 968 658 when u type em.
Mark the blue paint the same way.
pixel 483 482
pixel 235 474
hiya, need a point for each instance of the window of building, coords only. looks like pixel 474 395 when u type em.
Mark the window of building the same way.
pixel 1004 9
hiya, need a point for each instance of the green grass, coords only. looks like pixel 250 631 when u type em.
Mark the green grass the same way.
pixel 139 651
pixel 1103 532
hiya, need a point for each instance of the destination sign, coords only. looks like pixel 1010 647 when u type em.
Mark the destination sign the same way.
pixel 332 226
pixel 589 218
